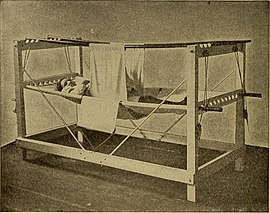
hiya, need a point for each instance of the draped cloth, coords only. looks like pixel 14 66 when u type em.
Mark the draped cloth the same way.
pixel 98 114
pixel 134 61
pixel 111 69
pixel 107 71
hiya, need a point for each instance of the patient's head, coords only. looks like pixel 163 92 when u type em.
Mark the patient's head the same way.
pixel 77 86
pixel 61 84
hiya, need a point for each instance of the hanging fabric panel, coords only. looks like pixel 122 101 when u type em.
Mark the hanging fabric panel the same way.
pixel 134 60
pixel 107 71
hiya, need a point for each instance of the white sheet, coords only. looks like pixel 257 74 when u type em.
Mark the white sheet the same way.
pixel 134 60
pixel 98 114
pixel 107 71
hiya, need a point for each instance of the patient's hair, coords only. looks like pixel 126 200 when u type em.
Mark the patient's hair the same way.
pixel 59 87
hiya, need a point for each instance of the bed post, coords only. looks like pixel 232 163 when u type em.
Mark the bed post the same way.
pixel 192 120
pixel 81 60
pixel 240 117
pixel 79 66
pixel 19 93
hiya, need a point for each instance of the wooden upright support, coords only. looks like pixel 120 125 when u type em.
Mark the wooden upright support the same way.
pixel 192 120
pixel 81 60
pixel 19 93
pixel 79 66
pixel 240 116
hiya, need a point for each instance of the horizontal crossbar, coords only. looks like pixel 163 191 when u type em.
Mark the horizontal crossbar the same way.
pixel 34 44
pixel 220 162
pixel 141 167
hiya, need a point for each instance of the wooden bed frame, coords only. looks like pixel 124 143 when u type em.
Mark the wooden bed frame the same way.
pixel 233 152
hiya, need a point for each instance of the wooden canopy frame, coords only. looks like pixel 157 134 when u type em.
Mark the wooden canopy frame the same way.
pixel 234 152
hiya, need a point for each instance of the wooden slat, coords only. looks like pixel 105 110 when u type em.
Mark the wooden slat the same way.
pixel 192 119
pixel 240 115
pixel 218 50
pixel 185 44
pixel 19 93
pixel 146 108
pixel 155 170
pixel 35 44
pixel 223 99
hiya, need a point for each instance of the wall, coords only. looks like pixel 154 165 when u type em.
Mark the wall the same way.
pixel 141 22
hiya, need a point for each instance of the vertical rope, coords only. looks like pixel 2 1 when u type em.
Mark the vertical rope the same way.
pixel 68 58
pixel 205 79
pixel 239 69
pixel 205 85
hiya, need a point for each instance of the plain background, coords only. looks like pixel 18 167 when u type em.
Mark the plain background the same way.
pixel 133 22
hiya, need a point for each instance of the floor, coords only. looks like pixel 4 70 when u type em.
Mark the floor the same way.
pixel 45 182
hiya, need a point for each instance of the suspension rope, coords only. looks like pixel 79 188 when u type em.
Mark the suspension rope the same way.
pixel 26 57
pixel 205 79
pixel 205 86
pixel 239 69
pixel 86 64
pixel 66 49
pixel 243 88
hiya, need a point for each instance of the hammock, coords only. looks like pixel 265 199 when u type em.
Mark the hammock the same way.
pixel 137 110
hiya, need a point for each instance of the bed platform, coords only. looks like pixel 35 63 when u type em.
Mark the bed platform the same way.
pixel 196 106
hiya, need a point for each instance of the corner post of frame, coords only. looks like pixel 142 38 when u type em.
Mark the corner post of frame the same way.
pixel 240 117
pixel 81 60
pixel 19 90
pixel 192 119
pixel 79 66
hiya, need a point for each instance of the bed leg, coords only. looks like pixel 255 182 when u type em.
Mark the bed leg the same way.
pixel 239 164
pixel 191 193
pixel 240 134
pixel 240 117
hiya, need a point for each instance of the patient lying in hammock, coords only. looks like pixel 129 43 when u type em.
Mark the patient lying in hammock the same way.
pixel 80 86
pixel 133 94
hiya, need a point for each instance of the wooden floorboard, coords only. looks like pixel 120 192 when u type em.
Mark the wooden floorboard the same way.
pixel 49 183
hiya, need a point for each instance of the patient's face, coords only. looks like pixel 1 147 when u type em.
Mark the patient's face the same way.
pixel 79 87
pixel 67 82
